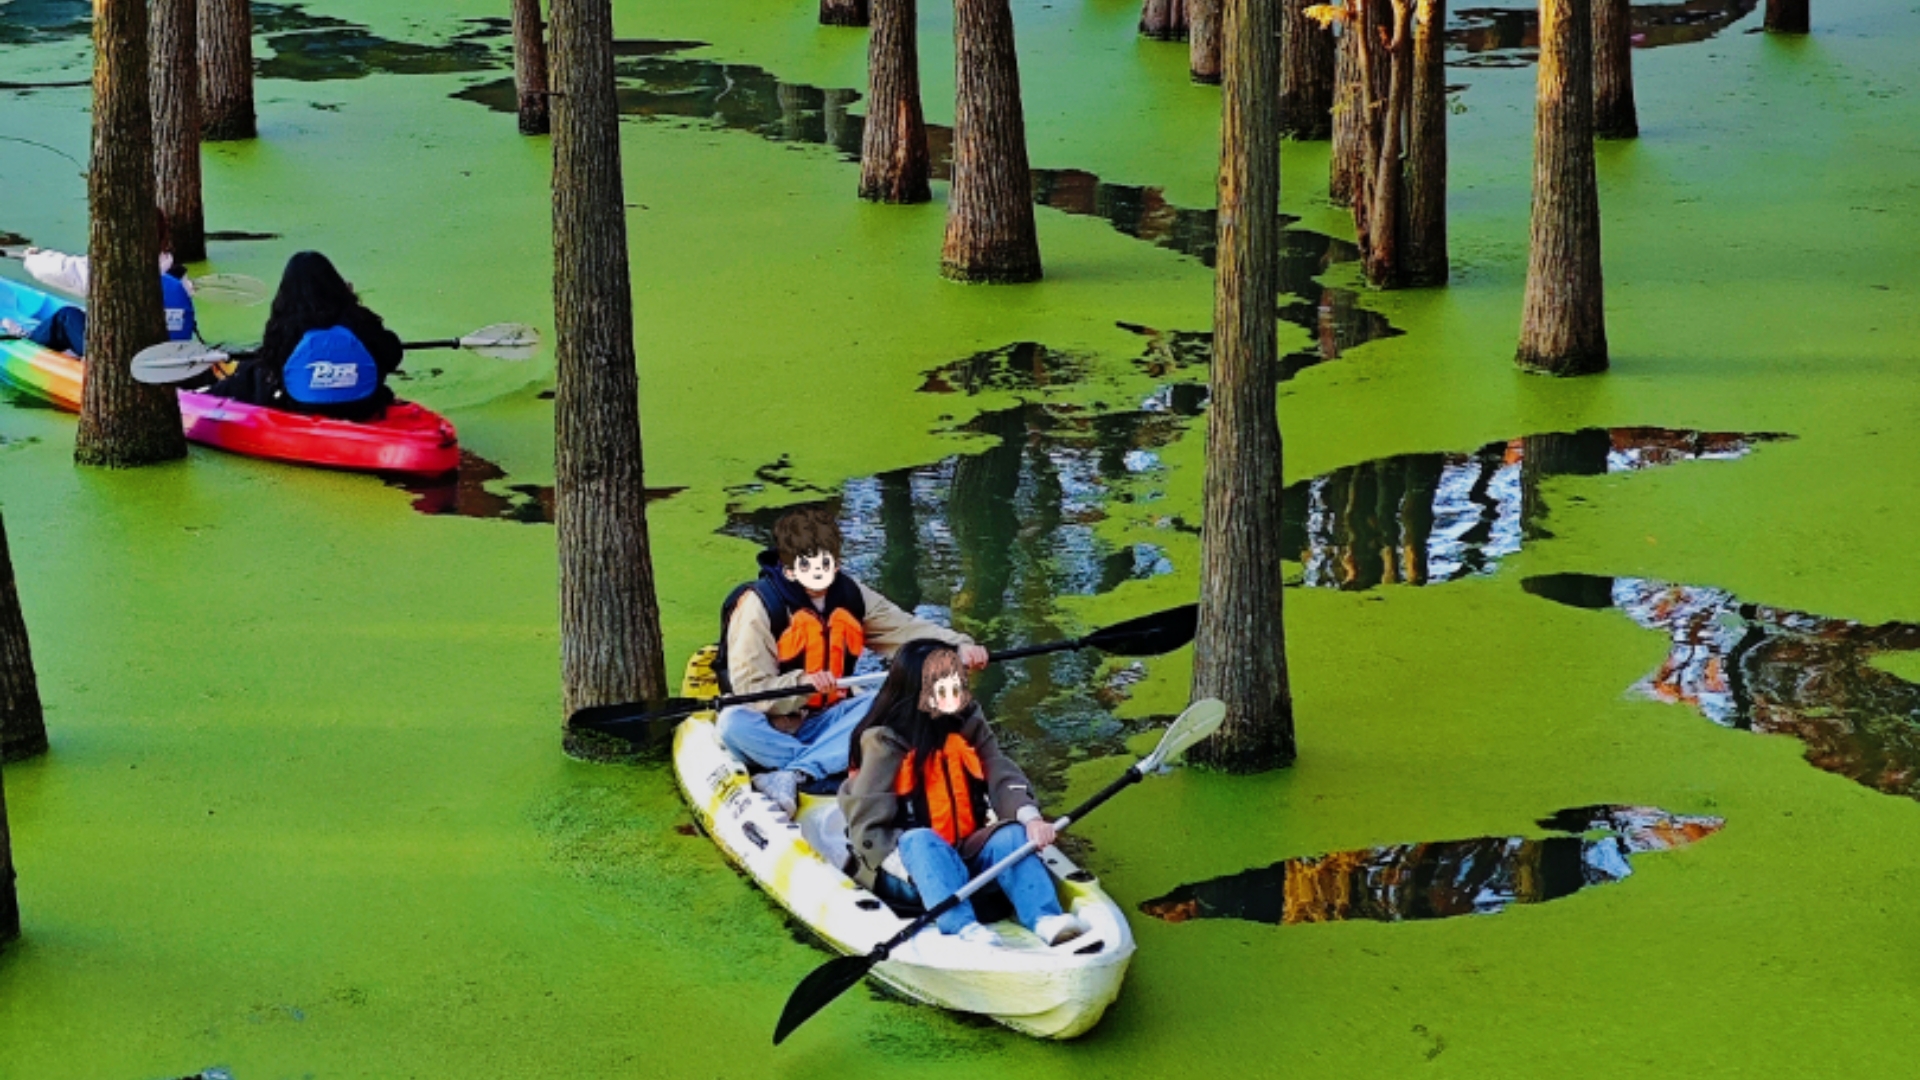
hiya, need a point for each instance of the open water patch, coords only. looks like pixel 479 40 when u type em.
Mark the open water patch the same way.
pixel 1509 37
pixel 475 490
pixel 34 22
pixel 1441 879
pixel 1773 671
pixel 315 48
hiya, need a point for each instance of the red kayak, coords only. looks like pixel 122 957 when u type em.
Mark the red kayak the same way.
pixel 410 439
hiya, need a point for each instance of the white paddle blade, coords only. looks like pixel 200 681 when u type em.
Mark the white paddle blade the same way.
pixel 230 289
pixel 503 341
pixel 1201 719
pixel 174 361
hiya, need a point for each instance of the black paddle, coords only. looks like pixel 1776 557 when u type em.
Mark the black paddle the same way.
pixel 1148 635
pixel 837 976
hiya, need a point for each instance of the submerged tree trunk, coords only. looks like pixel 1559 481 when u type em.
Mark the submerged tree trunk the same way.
pixel 1164 20
pixel 9 898
pixel 1239 653
pixel 610 644
pixel 530 66
pixel 226 70
pixel 1425 259
pixel 1563 330
pixel 990 232
pixel 123 422
pixel 894 167
pixel 843 12
pixel 23 726
pixel 1203 40
pixel 1789 17
pixel 1614 115
pixel 174 90
pixel 1306 75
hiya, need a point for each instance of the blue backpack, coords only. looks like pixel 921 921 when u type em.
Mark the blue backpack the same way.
pixel 330 367
pixel 178 305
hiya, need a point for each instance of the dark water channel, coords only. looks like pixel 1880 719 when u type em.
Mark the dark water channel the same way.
pixel 1510 36
pixel 1440 879
pixel 1773 671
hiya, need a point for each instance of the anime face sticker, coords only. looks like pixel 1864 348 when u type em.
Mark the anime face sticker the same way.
pixel 814 572
pixel 945 684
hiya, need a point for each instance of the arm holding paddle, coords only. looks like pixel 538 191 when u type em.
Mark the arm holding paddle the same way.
pixel 177 361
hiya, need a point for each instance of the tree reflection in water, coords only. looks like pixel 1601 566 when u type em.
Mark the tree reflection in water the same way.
pixel 1773 671
pixel 1510 36
pixel 1440 879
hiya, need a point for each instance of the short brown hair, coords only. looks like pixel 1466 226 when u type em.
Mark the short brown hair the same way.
pixel 805 531
pixel 941 663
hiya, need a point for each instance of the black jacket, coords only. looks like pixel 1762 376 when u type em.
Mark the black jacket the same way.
pixel 257 381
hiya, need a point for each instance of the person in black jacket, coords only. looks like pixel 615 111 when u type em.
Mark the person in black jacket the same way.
pixel 304 365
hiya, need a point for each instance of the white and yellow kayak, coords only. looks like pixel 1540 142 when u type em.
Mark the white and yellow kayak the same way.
pixel 1051 992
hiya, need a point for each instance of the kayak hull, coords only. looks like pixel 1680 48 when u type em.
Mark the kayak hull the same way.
pixel 410 439
pixel 1053 993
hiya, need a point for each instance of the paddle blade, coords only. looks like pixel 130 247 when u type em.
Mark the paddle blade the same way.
pixel 173 361
pixel 1148 635
pixel 503 341
pixel 230 289
pixel 626 722
pixel 1201 719
pixel 818 989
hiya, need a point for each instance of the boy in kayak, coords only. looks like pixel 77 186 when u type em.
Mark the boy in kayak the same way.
pixel 66 329
pixel 804 624
pixel 926 769
pixel 323 351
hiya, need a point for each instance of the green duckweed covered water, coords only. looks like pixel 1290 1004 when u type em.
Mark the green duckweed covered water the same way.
pixel 305 813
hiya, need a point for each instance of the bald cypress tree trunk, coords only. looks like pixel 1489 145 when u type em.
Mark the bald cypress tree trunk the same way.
pixel 990 232
pixel 894 167
pixel 1350 165
pixel 610 644
pixel 226 70
pixel 1203 40
pixel 530 67
pixel 1239 654
pixel 1306 74
pixel 843 12
pixel 1789 17
pixel 122 422
pixel 175 94
pixel 1164 20
pixel 9 898
pixel 23 727
pixel 1377 219
pixel 1614 115
pixel 1425 258
pixel 1563 329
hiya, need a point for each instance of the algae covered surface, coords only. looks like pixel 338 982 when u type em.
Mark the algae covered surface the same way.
pixel 305 812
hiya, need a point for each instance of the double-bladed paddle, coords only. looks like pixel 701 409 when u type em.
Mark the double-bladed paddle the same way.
pixel 176 361
pixel 837 976
pixel 1147 635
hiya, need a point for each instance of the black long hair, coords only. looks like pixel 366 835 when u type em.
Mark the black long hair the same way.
pixel 312 296
pixel 897 706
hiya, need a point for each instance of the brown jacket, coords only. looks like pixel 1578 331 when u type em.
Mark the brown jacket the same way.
pixel 875 814
pixel 753 657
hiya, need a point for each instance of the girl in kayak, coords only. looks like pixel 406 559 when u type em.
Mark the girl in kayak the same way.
pixel 323 352
pixel 925 770
pixel 66 329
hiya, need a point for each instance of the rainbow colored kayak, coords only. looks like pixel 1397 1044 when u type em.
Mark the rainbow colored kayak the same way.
pixel 410 439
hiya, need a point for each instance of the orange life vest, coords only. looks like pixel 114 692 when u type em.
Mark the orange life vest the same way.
pixel 810 646
pixel 949 795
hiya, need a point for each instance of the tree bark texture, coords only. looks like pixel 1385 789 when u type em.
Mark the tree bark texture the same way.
pixel 1614 115
pixel 1789 17
pixel 1348 164
pixel 1563 329
pixel 1425 253
pixel 530 66
pixel 226 70
pixel 1239 653
pixel 1203 40
pixel 894 166
pixel 1378 211
pixel 610 643
pixel 23 727
pixel 9 899
pixel 123 422
pixel 1306 74
pixel 990 231
pixel 175 92
pixel 843 12
pixel 1164 20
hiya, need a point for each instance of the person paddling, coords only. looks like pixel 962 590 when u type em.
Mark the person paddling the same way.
pixel 66 329
pixel 802 623
pixel 323 351
pixel 926 772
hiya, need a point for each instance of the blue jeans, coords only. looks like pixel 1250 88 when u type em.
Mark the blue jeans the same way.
pixel 938 871
pixel 818 749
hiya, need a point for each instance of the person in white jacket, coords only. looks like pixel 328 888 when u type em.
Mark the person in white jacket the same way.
pixel 66 329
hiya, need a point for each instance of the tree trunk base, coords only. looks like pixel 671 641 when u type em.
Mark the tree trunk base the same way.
pixel 991 274
pixel 843 13
pixel 229 128
pixel 1616 127
pixel 1788 17
pixel 534 118
pixel 1581 362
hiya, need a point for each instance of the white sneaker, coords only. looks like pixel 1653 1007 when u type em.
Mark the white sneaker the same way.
pixel 980 934
pixel 782 786
pixel 1060 929
pixel 9 328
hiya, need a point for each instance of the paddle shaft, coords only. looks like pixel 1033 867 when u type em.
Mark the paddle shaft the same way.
pixel 1022 651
